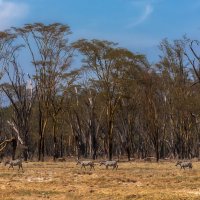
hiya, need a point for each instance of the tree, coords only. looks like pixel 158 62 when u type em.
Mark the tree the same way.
pixel 16 90
pixel 178 94
pixel 51 57
pixel 109 64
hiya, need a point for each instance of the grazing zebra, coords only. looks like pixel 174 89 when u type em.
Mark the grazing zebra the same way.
pixel 184 165
pixel 12 163
pixel 110 164
pixel 86 163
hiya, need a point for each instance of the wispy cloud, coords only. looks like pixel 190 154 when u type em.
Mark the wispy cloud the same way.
pixel 10 12
pixel 147 11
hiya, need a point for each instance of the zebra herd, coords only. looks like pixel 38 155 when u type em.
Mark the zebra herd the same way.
pixel 114 164
pixel 91 164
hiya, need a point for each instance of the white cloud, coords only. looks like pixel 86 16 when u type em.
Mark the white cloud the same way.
pixel 10 12
pixel 147 11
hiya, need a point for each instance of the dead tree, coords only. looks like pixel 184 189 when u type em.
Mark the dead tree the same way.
pixel 18 142
pixel 15 89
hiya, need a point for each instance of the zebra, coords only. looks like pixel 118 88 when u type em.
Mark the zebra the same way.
pixel 184 165
pixel 110 164
pixel 86 163
pixel 12 163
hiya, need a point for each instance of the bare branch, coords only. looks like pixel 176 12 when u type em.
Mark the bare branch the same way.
pixel 16 130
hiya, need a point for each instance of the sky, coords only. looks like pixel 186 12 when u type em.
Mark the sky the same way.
pixel 139 25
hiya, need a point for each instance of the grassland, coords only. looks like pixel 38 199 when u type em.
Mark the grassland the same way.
pixel 133 180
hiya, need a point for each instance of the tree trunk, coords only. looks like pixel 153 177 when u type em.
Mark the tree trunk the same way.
pixel 14 147
pixel 26 149
pixel 94 146
pixel 25 153
pixel 39 148
pixel 157 146
pixel 42 127
pixel 55 153
pixel 40 135
pixel 128 153
pixel 157 152
pixel 61 145
pixel 43 148
pixel 94 139
pixel 110 140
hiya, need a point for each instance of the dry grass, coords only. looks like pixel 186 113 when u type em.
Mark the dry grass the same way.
pixel 135 180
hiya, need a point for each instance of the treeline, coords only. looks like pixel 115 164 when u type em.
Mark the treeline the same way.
pixel 112 103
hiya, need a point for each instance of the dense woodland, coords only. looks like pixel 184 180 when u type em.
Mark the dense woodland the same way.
pixel 93 99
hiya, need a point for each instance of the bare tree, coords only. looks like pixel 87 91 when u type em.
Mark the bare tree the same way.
pixel 16 90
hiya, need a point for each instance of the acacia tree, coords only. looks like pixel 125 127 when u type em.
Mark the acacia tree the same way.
pixel 191 52
pixel 178 93
pixel 108 63
pixel 51 57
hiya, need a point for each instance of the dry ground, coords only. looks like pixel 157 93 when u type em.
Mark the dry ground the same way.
pixel 135 180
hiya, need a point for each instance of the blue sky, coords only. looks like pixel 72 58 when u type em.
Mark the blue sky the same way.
pixel 138 25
